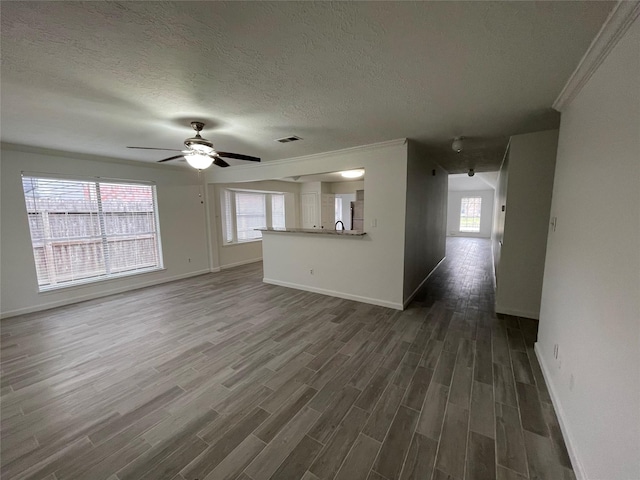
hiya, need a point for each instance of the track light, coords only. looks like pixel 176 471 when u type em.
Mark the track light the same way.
pixel 471 172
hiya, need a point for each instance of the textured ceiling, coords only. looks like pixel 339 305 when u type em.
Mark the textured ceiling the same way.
pixel 94 77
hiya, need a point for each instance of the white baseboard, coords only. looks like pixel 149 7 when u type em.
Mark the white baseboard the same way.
pixel 94 295
pixel 243 262
pixel 332 293
pixel 516 312
pixel 408 300
pixel 569 441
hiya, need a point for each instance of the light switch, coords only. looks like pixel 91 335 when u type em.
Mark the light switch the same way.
pixel 374 222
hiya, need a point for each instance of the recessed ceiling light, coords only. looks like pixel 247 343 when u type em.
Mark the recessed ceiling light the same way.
pixel 352 173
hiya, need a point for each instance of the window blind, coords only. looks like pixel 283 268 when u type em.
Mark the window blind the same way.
pixel 84 230
pixel 244 211
pixel 277 211
pixel 251 213
pixel 228 217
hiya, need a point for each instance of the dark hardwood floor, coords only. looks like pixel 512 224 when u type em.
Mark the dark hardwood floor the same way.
pixel 224 377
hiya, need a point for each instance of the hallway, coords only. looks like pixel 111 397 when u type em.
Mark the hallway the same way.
pixel 506 409
pixel 224 377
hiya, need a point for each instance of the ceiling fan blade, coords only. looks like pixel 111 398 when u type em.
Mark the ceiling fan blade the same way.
pixel 237 156
pixel 170 158
pixel 220 162
pixel 153 148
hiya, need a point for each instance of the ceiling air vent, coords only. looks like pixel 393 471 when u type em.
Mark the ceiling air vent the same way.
pixel 292 138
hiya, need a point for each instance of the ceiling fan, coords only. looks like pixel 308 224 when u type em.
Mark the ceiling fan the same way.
pixel 200 153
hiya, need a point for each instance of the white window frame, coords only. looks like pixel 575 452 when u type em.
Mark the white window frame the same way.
pixel 228 207
pixel 103 235
pixel 476 199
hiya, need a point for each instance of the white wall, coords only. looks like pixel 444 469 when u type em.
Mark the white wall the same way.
pixel 486 213
pixel 425 226
pixel 591 294
pixel 499 215
pixel 231 255
pixel 346 187
pixel 368 269
pixel 181 217
pixel 528 201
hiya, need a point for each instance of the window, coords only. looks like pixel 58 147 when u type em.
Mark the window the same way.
pixel 251 213
pixel 470 214
pixel 277 211
pixel 244 211
pixel 86 230
pixel 338 209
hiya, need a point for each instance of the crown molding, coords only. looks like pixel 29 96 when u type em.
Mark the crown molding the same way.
pixel 16 147
pixel 615 26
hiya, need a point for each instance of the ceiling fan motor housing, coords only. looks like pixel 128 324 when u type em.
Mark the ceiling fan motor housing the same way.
pixel 197 126
pixel 197 143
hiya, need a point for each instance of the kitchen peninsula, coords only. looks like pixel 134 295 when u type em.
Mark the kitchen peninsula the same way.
pixel 315 231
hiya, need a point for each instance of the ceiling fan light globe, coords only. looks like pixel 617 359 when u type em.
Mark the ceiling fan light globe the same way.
pixel 457 144
pixel 199 161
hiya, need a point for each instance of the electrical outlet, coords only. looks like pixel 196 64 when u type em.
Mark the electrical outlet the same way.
pixel 311 271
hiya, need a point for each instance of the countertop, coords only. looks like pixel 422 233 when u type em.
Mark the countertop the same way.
pixel 316 231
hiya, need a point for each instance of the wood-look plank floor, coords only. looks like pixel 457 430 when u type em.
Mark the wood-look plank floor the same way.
pixel 224 377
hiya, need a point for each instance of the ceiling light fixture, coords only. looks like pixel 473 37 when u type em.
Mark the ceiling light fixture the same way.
pixel 471 172
pixel 457 144
pixel 199 161
pixel 352 173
